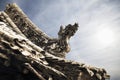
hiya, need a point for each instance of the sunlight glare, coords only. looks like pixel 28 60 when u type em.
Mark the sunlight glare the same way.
pixel 105 37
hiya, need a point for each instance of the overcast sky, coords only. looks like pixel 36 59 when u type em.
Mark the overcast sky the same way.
pixel 97 41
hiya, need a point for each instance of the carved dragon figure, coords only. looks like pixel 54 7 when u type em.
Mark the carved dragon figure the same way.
pixel 28 53
pixel 58 47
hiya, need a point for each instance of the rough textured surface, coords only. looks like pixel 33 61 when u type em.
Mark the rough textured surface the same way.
pixel 58 47
pixel 28 53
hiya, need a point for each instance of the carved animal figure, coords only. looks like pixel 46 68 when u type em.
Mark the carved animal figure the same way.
pixel 58 47
pixel 25 51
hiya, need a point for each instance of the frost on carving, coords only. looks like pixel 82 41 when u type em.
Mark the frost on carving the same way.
pixel 28 53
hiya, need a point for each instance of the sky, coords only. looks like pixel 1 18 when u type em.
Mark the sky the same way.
pixel 97 41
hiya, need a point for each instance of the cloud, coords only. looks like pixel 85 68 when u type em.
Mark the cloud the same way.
pixel 92 16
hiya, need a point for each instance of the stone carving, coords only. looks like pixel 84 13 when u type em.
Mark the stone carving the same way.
pixel 53 46
pixel 28 53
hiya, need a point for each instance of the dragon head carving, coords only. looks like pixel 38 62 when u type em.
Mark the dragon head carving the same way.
pixel 68 31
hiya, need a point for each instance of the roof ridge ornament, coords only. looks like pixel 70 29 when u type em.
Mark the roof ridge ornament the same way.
pixel 28 53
